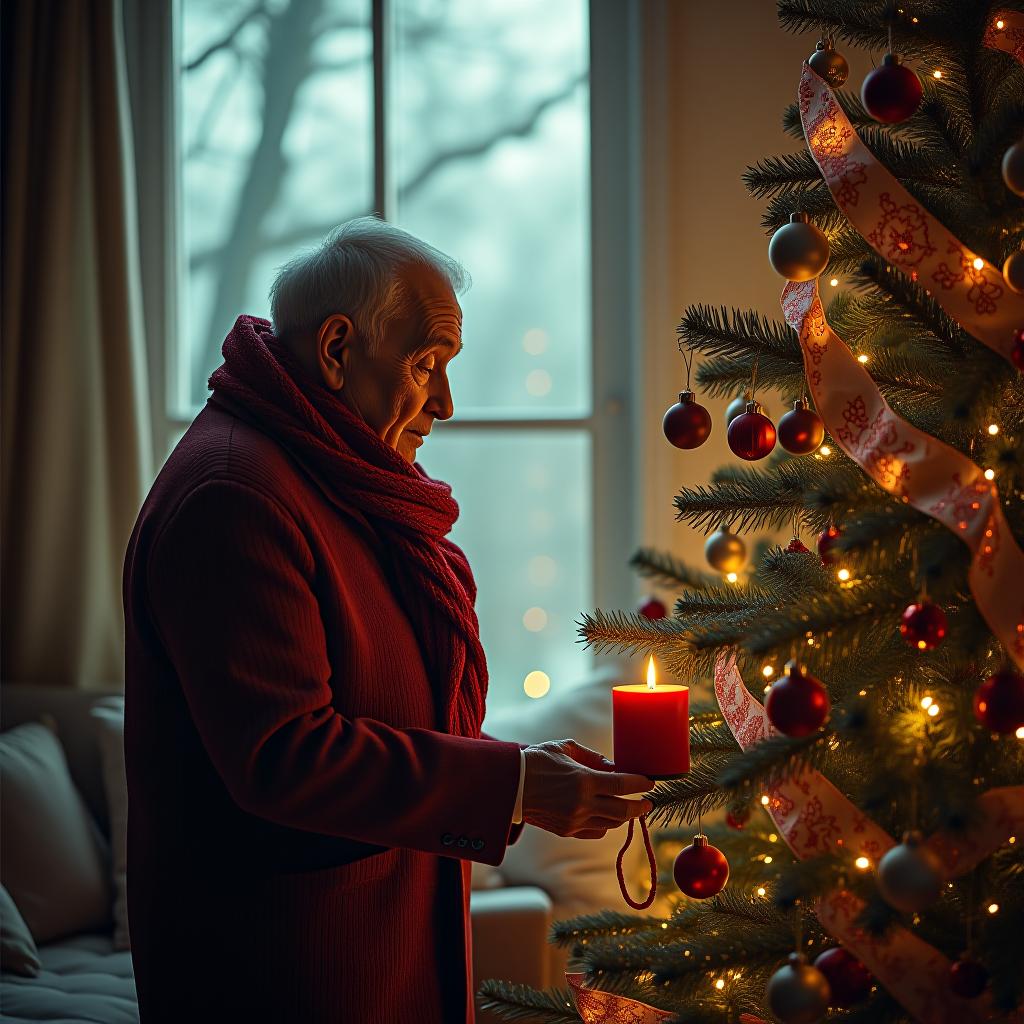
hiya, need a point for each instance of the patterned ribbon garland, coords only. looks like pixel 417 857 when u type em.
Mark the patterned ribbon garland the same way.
pixel 815 818
pixel 912 465
pixel 1006 32
pixel 597 1007
pixel 969 288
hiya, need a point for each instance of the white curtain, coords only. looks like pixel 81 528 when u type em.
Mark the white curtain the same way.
pixel 76 441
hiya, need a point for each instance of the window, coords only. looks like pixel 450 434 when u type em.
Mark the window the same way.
pixel 471 123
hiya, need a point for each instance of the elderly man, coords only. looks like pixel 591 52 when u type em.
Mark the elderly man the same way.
pixel 307 778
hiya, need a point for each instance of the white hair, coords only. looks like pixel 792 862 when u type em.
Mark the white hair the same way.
pixel 356 270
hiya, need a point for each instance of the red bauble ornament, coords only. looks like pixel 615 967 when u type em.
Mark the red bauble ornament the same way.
pixel 999 702
pixel 923 625
pixel 801 430
pixel 827 545
pixel 687 424
pixel 967 978
pixel 891 93
pixel 752 434
pixel 701 869
pixel 797 704
pixel 738 819
pixel 1017 352
pixel 848 979
pixel 797 547
pixel 652 608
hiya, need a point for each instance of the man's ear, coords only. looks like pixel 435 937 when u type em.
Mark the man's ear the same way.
pixel 334 340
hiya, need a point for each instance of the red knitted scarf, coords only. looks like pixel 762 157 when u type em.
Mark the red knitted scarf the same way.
pixel 411 513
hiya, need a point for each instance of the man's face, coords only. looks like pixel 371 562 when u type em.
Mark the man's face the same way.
pixel 402 387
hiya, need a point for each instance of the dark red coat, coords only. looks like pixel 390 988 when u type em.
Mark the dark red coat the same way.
pixel 299 831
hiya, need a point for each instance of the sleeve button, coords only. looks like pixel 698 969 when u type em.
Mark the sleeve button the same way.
pixel 478 844
pixel 462 840
pixel 447 839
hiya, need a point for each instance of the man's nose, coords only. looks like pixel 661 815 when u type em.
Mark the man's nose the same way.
pixel 440 401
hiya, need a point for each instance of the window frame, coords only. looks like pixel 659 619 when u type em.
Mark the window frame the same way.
pixel 152 37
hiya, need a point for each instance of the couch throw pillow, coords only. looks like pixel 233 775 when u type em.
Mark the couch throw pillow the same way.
pixel 53 863
pixel 18 953
pixel 108 717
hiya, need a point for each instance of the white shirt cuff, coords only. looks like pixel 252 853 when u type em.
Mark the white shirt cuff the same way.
pixel 517 814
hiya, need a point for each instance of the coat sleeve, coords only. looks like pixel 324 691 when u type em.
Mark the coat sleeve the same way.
pixel 229 581
pixel 517 829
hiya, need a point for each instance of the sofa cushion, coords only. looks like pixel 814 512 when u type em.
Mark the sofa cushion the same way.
pixel 82 979
pixel 578 874
pixel 108 718
pixel 18 952
pixel 54 865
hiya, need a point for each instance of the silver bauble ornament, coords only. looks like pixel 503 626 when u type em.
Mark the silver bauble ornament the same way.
pixel 910 875
pixel 797 992
pixel 798 251
pixel 829 64
pixel 737 407
pixel 1013 273
pixel 1013 168
pixel 725 551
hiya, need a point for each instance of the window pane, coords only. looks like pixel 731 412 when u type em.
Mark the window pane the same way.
pixel 277 148
pixel 490 146
pixel 525 526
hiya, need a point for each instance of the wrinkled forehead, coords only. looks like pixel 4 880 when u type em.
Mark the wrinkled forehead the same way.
pixel 433 302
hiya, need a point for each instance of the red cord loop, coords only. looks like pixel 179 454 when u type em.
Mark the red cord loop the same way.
pixel 650 860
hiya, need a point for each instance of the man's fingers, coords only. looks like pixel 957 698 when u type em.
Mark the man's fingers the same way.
pixel 621 783
pixel 591 758
pixel 620 809
pixel 591 833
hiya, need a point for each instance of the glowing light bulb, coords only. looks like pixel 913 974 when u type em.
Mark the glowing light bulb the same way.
pixel 1000 24
pixel 834 281
pixel 843 574
pixel 990 474
pixel 863 863
pixel 773 838
pixel 535 619
pixel 914 20
pixel 933 710
pixel 825 450
pixel 993 429
pixel 768 858
pixel 978 263
pixel 731 577
pixel 936 73
pixel 1020 733
pixel 993 908
pixel 536 684
pixel 664 924
pixel 926 702
pixel 760 890
pixel 767 671
pixel 764 801
pixel 862 693
pixel 767 687
pixel 720 984
pixel 862 358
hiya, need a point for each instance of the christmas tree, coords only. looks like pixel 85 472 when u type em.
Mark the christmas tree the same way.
pixel 869 812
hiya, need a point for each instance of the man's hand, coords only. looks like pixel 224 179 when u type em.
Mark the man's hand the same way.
pixel 574 791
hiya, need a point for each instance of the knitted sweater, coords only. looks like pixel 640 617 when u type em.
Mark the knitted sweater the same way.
pixel 299 827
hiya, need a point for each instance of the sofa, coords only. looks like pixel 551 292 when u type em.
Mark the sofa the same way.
pixel 87 975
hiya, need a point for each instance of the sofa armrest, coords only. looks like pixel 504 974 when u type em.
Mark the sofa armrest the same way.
pixel 510 931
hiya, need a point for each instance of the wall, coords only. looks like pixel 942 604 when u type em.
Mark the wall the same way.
pixel 716 85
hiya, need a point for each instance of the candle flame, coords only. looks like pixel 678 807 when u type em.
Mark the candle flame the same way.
pixel 651 678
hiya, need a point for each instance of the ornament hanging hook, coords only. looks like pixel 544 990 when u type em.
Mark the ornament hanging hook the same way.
pixel 687 359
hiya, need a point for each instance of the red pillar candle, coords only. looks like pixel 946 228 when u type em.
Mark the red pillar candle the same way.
pixel 651 728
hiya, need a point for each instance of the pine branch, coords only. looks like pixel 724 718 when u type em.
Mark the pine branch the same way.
pixel 520 1002
pixel 670 571
pixel 606 922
